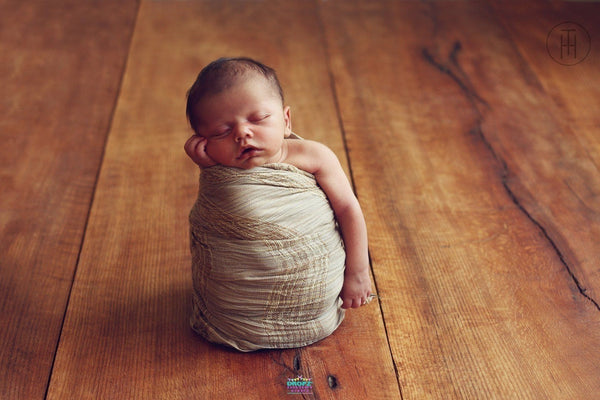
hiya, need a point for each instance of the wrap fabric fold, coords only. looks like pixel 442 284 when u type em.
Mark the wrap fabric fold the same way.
pixel 267 258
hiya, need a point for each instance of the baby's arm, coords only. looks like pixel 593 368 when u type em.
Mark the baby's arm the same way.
pixel 195 147
pixel 319 160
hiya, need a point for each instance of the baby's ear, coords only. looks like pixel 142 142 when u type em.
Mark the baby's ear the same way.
pixel 287 117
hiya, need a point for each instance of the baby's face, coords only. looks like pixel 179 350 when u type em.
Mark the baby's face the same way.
pixel 244 125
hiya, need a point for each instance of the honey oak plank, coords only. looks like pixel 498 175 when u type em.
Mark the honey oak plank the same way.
pixel 446 127
pixel 126 332
pixel 566 199
pixel 60 69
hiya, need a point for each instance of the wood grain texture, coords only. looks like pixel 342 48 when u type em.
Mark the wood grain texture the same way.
pixel 563 197
pixel 475 157
pixel 450 139
pixel 60 68
pixel 126 333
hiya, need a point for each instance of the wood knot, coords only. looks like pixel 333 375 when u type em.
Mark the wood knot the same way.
pixel 332 381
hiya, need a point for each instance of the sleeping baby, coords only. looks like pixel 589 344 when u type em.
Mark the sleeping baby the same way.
pixel 268 260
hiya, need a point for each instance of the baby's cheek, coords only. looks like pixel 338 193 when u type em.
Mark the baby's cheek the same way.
pixel 209 148
pixel 216 151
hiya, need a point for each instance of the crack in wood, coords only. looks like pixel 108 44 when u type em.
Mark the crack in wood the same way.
pixel 280 362
pixel 297 362
pixel 474 98
pixel 462 81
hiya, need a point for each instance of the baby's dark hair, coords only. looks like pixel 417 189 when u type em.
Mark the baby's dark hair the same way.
pixel 220 75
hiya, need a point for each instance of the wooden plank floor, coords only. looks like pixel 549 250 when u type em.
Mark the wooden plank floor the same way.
pixel 60 70
pixel 474 154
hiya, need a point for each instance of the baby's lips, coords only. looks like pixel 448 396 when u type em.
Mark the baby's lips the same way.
pixel 245 150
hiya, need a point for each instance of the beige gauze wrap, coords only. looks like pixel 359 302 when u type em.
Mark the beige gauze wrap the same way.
pixel 267 258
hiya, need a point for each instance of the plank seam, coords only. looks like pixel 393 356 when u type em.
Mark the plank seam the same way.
pixel 92 198
pixel 352 180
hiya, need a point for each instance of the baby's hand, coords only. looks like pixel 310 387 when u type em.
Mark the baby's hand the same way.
pixel 356 290
pixel 195 148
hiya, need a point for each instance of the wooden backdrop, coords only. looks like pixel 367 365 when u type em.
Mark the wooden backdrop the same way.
pixel 474 153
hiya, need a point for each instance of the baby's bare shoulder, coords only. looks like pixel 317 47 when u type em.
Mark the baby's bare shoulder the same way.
pixel 309 155
pixel 307 148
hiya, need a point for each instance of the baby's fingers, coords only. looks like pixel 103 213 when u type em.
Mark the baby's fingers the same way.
pixel 351 302
pixel 357 301
pixel 346 303
pixel 195 148
pixel 192 144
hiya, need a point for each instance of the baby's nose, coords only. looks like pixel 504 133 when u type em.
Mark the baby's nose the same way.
pixel 242 131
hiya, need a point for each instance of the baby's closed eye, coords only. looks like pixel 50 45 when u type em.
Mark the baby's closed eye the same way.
pixel 220 133
pixel 256 118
